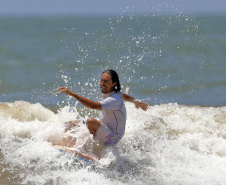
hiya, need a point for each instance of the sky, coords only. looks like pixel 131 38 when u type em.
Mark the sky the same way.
pixel 10 7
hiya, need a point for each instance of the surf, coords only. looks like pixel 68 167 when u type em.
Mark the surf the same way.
pixel 168 143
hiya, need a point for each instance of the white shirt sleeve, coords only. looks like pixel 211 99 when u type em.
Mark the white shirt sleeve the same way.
pixel 112 103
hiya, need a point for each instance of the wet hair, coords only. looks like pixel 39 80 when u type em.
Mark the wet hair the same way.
pixel 114 78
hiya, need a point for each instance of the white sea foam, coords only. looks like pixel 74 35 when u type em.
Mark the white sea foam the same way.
pixel 168 144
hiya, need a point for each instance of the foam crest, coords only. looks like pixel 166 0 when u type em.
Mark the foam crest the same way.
pixel 24 111
pixel 166 144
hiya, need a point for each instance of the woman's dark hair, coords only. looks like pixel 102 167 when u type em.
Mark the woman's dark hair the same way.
pixel 114 78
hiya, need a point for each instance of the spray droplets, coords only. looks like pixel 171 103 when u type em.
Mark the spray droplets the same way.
pixel 65 78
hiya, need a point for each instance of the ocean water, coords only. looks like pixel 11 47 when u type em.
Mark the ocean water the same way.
pixel 175 63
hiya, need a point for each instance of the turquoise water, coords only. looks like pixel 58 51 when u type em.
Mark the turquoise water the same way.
pixel 160 59
pixel 175 63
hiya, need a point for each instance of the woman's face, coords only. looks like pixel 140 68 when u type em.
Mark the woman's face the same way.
pixel 106 84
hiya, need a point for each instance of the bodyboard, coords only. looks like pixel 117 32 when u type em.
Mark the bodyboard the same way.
pixel 77 154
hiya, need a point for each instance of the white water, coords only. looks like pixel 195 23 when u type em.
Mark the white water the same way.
pixel 168 144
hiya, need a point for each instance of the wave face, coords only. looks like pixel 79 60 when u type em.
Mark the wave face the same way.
pixel 167 144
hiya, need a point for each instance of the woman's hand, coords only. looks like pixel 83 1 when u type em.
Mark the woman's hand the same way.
pixel 142 105
pixel 65 90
